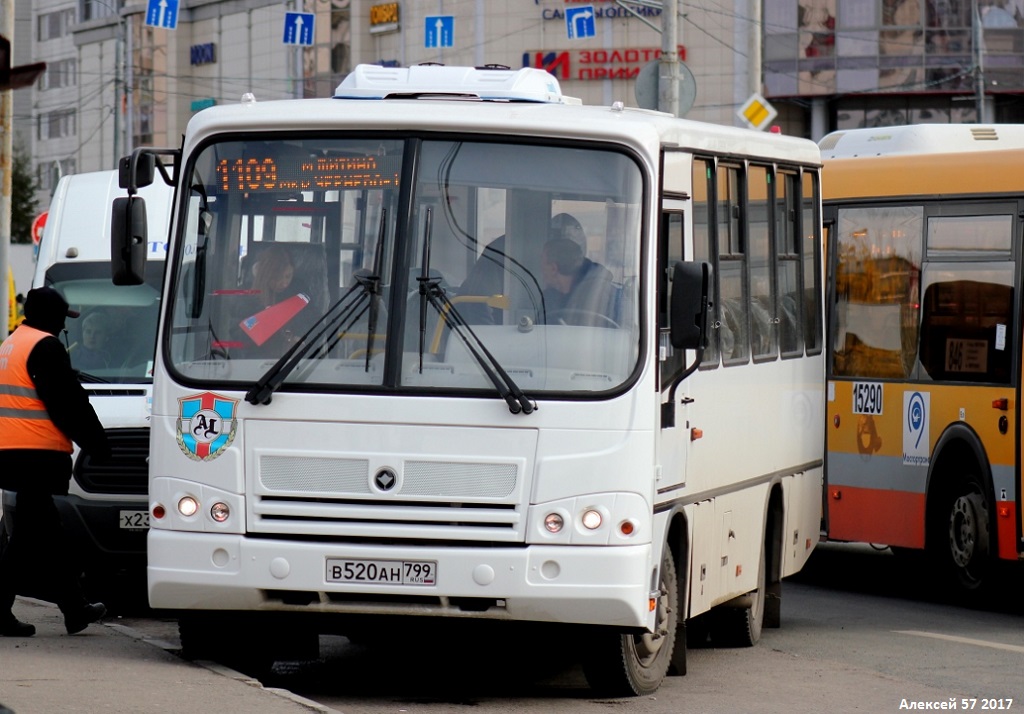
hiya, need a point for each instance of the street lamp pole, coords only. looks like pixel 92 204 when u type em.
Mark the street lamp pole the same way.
pixel 979 72
pixel 119 83
pixel 6 165
pixel 117 98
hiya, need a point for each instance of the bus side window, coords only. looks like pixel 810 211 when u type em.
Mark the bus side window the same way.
pixel 811 271
pixel 732 268
pixel 967 307
pixel 964 327
pixel 787 244
pixel 877 291
pixel 763 310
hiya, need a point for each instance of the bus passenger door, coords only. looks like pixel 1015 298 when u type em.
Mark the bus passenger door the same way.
pixel 674 438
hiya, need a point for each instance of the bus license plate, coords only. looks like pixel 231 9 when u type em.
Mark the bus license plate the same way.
pixel 390 572
pixel 135 520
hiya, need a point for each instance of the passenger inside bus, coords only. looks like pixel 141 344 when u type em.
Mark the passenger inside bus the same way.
pixel 577 291
pixel 487 276
pixel 280 308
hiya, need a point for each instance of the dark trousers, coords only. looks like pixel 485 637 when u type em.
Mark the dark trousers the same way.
pixel 39 559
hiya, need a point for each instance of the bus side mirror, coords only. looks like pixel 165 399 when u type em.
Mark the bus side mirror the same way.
pixel 689 309
pixel 143 174
pixel 128 240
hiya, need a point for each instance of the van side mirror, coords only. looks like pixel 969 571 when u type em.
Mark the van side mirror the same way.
pixel 128 240
pixel 688 320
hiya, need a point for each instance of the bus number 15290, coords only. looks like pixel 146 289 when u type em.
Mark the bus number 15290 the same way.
pixel 867 398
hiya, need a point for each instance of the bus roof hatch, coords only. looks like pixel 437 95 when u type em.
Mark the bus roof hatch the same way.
pixel 369 81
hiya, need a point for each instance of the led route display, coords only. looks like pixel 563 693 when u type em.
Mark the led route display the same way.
pixel 255 174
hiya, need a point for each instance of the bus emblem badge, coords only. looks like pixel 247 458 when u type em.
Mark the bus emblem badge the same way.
pixel 206 425
pixel 385 479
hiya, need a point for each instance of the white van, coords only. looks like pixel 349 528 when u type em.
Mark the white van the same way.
pixel 111 345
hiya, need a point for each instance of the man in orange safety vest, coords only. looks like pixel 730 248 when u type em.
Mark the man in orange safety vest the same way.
pixel 43 409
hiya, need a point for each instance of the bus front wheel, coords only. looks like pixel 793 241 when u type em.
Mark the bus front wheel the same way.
pixel 635 665
pixel 966 536
pixel 227 638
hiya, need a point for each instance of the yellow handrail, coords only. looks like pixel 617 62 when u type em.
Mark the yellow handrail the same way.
pixel 496 301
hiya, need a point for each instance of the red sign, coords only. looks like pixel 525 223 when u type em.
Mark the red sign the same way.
pixel 624 63
pixel 37 227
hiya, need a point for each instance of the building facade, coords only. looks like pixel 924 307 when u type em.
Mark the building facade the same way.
pixel 119 76
pixel 862 63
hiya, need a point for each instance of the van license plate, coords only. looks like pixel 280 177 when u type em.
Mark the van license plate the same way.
pixel 135 520
pixel 389 572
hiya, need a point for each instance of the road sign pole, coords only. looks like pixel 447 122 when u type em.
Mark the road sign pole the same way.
pixel 668 76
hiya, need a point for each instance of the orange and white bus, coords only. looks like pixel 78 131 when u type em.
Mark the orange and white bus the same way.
pixel 923 431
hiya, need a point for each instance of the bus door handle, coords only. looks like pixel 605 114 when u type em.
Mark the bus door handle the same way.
pixel 686 400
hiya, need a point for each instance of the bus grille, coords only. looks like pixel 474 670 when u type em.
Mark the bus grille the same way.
pixel 126 472
pixel 336 497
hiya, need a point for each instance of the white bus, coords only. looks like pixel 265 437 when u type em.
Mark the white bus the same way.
pixel 443 415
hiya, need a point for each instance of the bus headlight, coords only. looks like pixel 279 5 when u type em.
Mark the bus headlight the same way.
pixel 591 519
pixel 220 511
pixel 553 522
pixel 188 506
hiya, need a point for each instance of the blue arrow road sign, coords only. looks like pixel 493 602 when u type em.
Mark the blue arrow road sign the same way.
pixel 298 28
pixel 579 22
pixel 162 13
pixel 440 31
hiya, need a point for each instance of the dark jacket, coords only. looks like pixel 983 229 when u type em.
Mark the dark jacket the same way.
pixel 590 301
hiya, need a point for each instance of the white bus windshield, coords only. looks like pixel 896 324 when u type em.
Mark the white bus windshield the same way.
pixel 408 263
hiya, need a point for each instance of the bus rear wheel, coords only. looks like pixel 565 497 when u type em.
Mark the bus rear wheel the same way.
pixel 967 541
pixel 740 626
pixel 635 665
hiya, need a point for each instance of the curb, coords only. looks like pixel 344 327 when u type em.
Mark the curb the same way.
pixel 214 667
pixel 221 669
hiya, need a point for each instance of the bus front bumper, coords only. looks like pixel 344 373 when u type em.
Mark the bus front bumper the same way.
pixel 608 585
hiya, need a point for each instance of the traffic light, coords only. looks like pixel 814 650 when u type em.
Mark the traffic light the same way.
pixel 16 77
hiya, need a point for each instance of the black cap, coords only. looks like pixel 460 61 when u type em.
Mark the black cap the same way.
pixel 44 304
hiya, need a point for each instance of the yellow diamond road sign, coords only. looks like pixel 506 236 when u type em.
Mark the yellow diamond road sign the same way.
pixel 757 112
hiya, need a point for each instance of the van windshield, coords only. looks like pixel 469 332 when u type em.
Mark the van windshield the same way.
pixel 114 338
pixel 405 259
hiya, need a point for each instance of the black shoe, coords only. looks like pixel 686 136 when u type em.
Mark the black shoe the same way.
pixel 15 628
pixel 84 617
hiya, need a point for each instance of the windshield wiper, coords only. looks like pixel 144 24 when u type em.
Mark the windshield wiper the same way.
pixel 371 287
pixel 263 390
pixel 432 292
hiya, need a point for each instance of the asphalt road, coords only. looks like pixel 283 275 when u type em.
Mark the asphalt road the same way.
pixel 863 631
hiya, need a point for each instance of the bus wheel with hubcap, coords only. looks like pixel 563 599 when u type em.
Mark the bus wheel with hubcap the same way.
pixel 741 626
pixel 967 536
pixel 635 665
